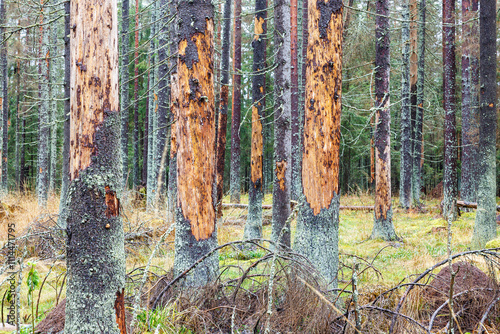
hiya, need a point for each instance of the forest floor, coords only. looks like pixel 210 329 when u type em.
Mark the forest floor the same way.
pixel 423 243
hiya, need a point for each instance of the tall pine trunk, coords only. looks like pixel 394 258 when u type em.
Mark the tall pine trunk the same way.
pixel 196 232
pixel 135 167
pixel 253 226
pixel 318 221
pixel 383 226
pixel 95 242
pixel 224 100
pixel 282 118
pixel 234 180
pixel 124 91
pixel 3 97
pixel 294 82
pixel 449 106
pixel 54 113
pixel 485 225
pixel 405 151
pixel 470 100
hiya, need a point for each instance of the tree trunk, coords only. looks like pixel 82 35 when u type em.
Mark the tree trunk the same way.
pixel 318 222
pixel 145 137
pixel 124 91
pixel 413 92
pixel 294 91
pixel 3 162
pixel 136 98
pixel 485 224
pixel 53 64
pixel 405 151
pixel 450 124
pixel 65 178
pixel 224 99
pixel 18 124
pixel 235 180
pixel 95 243
pixel 5 102
pixel 196 232
pixel 419 117
pixel 43 119
pixel 470 100
pixel 253 226
pixel 383 227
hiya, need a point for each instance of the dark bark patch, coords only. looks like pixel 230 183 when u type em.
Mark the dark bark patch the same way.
pixel 327 9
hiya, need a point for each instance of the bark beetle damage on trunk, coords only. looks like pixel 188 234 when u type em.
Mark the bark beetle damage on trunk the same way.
pixel 259 27
pixel 280 173
pixel 257 147
pixel 320 164
pixel 112 203
pixel 382 156
pixel 196 128
pixel 92 94
pixel 174 106
pixel 120 311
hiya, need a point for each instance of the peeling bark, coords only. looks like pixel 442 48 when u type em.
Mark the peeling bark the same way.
pixel 294 82
pixel 196 232
pixel 318 221
pixel 235 178
pixel 282 120
pixel 485 225
pixel 449 106
pixel 383 226
pixel 95 241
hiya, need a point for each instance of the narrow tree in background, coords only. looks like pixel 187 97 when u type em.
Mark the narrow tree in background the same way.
pixel 3 165
pixel 405 166
pixel 450 123
pixel 253 226
pixel 95 243
pixel 294 91
pixel 282 118
pixel 124 91
pixel 485 225
pixel 413 92
pixel 470 100
pixel 65 177
pixel 43 116
pixel 416 181
pixel 135 166
pixel 5 101
pixel 234 180
pixel 195 232
pixel 318 221
pixel 54 113
pixel 224 100
pixel 383 227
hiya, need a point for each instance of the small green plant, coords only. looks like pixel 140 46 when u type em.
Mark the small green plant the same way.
pixel 32 281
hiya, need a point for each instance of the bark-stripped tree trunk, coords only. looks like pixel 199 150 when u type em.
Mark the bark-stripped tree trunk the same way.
pixel 224 99
pixel 294 82
pixel 318 222
pixel 470 100
pixel 95 243
pixel 124 91
pixel 196 232
pixel 405 151
pixel 416 181
pixel 253 226
pixel 234 179
pixel 135 166
pixel 383 227
pixel 43 117
pixel 162 102
pixel 18 124
pixel 65 177
pixel 282 119
pixel 450 124
pixel 174 91
pixel 485 224
pixel 53 64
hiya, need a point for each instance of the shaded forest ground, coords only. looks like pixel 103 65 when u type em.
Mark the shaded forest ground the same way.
pixel 381 267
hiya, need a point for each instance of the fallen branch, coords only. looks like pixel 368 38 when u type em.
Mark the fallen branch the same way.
pixel 471 205
pixel 292 205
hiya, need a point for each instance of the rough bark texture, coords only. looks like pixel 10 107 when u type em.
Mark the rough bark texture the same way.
pixel 196 232
pixel 95 243
pixel 54 113
pixel 4 102
pixel 383 227
pixel 224 99
pixel 413 89
pixel 318 222
pixel 470 100
pixel 43 120
pixel 65 178
pixel 282 132
pixel 124 91
pixel 172 172
pixel 3 166
pixel 485 224
pixel 253 226
pixel 135 166
pixel 234 178
pixel 449 106
pixel 405 166
pixel 416 181
pixel 294 82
